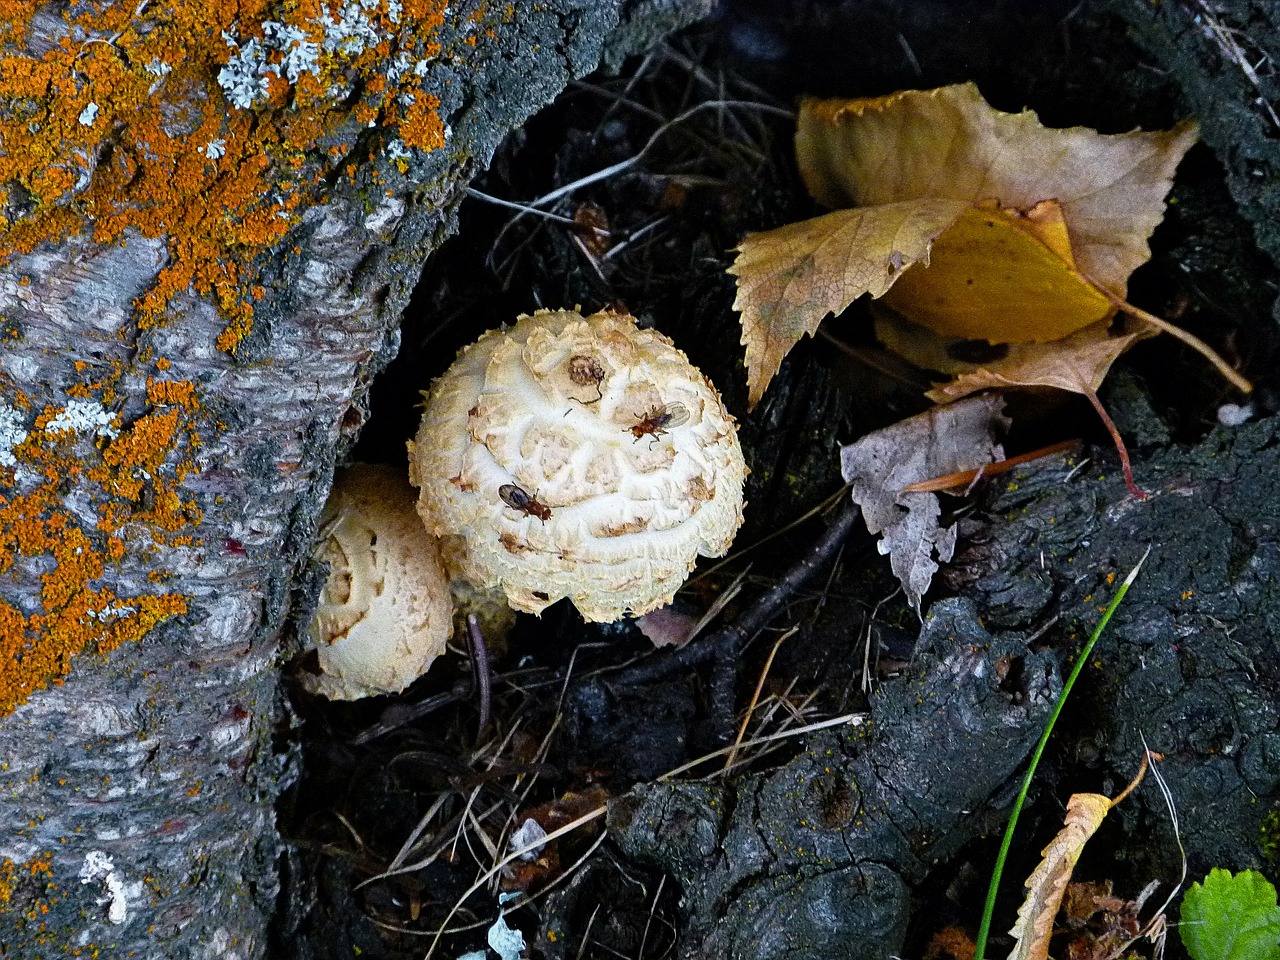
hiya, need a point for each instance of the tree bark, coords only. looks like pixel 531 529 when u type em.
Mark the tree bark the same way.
pixel 1210 52
pixel 819 857
pixel 192 313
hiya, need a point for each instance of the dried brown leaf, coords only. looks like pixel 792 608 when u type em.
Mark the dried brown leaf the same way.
pixel 950 143
pixel 1085 898
pixel 949 943
pixel 792 277
pixel 996 227
pixel 1048 882
pixel 1078 363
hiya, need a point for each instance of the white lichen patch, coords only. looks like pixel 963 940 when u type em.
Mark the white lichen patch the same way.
pixel 351 30
pixel 12 433
pixel 578 457
pixel 244 78
pixel 304 47
pixel 98 869
pixel 84 416
pixel 299 54
pixel 112 612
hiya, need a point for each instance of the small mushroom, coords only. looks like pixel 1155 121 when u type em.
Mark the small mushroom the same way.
pixel 579 457
pixel 385 611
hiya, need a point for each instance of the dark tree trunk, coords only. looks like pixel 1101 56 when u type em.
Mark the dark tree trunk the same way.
pixel 163 459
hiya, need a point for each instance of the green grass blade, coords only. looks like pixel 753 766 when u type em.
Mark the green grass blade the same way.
pixel 980 942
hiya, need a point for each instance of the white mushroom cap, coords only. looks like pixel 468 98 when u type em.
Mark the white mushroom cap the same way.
pixel 560 406
pixel 385 611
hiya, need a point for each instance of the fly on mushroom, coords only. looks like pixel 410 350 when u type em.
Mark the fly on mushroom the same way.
pixel 517 498
pixel 656 422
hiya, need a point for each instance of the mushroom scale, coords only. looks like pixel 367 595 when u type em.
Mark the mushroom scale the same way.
pixel 580 457
pixel 385 611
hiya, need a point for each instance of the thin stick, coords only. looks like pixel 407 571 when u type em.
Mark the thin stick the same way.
pixel 852 719
pixel 739 554
pixel 398 860
pixel 512 906
pixel 1142 772
pixel 755 618
pixel 524 208
pixel 586 934
pixel 866 649
pixel 624 95
pixel 632 237
pixel 963 478
pixel 755 697
pixel 1149 930
pixel 480 671
pixel 644 937
pixel 624 165
pixel 717 606
pixel 405 715
pixel 510 857
pixel 794 714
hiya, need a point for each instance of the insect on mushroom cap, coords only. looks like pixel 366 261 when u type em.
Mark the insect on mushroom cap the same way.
pixel 385 611
pixel 577 456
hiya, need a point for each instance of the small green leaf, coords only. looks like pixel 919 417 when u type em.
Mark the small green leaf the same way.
pixel 1231 918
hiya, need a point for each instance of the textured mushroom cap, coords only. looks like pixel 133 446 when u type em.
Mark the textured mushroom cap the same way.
pixel 385 611
pixel 553 405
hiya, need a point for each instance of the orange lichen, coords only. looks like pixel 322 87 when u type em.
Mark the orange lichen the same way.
pixel 133 472
pixel 420 125
pixel 171 393
pixel 120 128
pixel 124 127
pixel 29 879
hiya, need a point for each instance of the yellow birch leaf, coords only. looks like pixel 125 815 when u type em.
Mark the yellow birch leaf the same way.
pixel 949 143
pixel 1048 223
pixel 1014 233
pixel 1048 882
pixel 992 277
pixel 923 348
pixel 792 277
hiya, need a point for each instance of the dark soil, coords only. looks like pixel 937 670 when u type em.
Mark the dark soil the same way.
pixel 566 737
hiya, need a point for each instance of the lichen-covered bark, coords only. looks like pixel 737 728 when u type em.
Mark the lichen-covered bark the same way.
pixel 189 338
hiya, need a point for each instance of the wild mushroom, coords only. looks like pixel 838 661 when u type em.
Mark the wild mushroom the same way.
pixel 579 457
pixel 385 610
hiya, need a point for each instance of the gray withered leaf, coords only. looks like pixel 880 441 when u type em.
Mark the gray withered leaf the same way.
pixel 947 439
